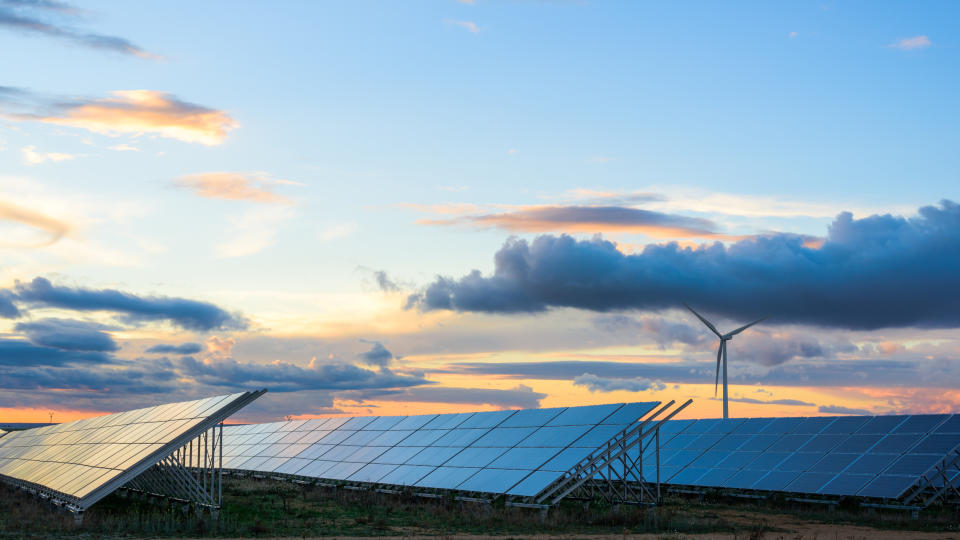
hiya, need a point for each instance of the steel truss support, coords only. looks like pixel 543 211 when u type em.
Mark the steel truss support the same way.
pixel 941 481
pixel 192 474
pixel 611 473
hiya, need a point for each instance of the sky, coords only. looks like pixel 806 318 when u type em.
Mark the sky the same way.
pixel 379 208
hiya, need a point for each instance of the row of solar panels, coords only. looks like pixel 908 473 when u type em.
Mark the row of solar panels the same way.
pixel 879 456
pixel 76 458
pixel 518 452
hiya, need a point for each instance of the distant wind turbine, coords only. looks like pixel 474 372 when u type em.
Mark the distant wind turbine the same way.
pixel 722 353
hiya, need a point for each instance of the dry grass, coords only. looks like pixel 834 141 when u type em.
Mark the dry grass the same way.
pixel 264 508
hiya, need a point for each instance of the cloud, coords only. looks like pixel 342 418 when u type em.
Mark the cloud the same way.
pixel 185 313
pixel 123 148
pixel 231 186
pixel 15 14
pixel 19 353
pixel 587 219
pixel 254 230
pixel 606 384
pixel 839 409
pixel 470 26
pixel 519 397
pixel 378 355
pixel 876 272
pixel 183 348
pixel 221 347
pixel 32 157
pixel 8 310
pixel 68 335
pixel 911 43
pixel 792 35
pixel 135 112
pixel 54 229
pixel 336 232
pixel 788 402
pixel 384 283
pixel 665 331
pixel 285 377
pixel 837 373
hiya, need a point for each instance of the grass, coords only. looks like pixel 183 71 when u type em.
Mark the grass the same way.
pixel 266 508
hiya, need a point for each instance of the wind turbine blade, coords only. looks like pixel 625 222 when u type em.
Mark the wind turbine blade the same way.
pixel 704 321
pixel 716 382
pixel 742 328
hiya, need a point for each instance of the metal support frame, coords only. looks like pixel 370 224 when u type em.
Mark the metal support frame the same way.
pixel 192 474
pixel 941 481
pixel 610 472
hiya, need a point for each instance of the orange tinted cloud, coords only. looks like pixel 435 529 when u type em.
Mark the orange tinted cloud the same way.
pixel 589 219
pixel 146 111
pixel 254 187
pixel 53 228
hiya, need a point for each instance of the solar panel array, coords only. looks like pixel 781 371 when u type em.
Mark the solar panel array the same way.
pixel 517 452
pixel 864 456
pixel 76 458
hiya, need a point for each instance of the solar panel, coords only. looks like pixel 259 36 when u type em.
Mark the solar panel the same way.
pixel 81 462
pixel 880 457
pixel 514 452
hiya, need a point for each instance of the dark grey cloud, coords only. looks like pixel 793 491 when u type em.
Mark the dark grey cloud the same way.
pixel 378 355
pixel 521 396
pixel 286 377
pixel 8 310
pixel 912 372
pixel 29 17
pixel 182 348
pixel 185 313
pixel 790 402
pixel 15 352
pixel 130 380
pixel 839 409
pixel 595 383
pixel 68 335
pixel 876 272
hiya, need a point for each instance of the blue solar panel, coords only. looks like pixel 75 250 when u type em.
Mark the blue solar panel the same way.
pixel 952 425
pixel 888 487
pixel 920 423
pixel 938 443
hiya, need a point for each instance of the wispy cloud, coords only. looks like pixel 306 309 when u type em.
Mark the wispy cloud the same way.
pixel 254 231
pixel 32 157
pixel 911 43
pixel 53 228
pixel 26 16
pixel 840 409
pixel 234 186
pixel 468 25
pixel 123 148
pixel 588 219
pixel 132 112
pixel 594 383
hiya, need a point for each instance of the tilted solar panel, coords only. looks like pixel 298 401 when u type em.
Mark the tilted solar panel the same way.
pixel 878 457
pixel 80 462
pixel 499 452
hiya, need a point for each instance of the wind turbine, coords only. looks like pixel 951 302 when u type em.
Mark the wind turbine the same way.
pixel 722 353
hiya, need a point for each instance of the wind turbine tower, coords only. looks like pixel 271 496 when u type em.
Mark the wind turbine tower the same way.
pixel 722 353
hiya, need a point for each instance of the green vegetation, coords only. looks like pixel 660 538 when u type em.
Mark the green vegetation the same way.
pixel 264 508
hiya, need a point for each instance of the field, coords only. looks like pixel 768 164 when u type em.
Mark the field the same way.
pixel 268 509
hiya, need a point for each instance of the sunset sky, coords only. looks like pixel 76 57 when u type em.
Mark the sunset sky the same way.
pixel 442 206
